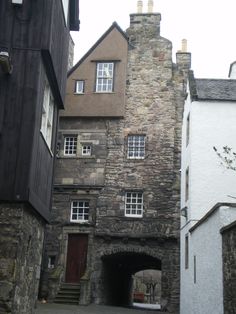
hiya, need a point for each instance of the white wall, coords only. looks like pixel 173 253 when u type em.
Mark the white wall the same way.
pixel 211 124
pixel 206 295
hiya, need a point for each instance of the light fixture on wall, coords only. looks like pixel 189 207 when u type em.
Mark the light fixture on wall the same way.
pixel 184 212
pixel 5 62
pixel 18 2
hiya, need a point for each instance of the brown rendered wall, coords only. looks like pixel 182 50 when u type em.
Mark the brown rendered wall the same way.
pixel 90 104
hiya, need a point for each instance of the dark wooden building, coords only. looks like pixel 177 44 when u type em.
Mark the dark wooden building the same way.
pixel 34 42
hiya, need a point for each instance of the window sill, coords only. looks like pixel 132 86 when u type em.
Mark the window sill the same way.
pixel 133 216
pixel 80 222
pixel 76 157
pixel 104 92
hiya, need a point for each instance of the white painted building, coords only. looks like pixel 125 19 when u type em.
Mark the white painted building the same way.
pixel 207 188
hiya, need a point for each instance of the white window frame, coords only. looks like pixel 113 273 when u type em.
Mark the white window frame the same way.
pixel 86 150
pixel 79 87
pixel 79 211
pixel 136 146
pixel 47 115
pixel 70 145
pixel 104 77
pixel 133 204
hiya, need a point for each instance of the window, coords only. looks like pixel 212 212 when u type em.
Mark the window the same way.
pixel 133 204
pixel 86 150
pixel 186 251
pixel 70 146
pixel 187 184
pixel 194 269
pixel 79 211
pixel 79 87
pixel 51 261
pixel 47 115
pixel 104 79
pixel 65 8
pixel 136 146
pixel 187 129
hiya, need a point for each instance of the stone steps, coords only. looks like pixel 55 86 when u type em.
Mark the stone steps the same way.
pixel 68 294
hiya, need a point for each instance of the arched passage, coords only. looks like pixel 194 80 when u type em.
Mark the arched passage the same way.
pixel 117 271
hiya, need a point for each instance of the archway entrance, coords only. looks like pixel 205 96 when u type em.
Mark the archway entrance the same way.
pixel 117 272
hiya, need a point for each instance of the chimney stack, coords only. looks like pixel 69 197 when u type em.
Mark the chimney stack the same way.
pixel 183 57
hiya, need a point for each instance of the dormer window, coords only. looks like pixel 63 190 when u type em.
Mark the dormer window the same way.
pixel 105 77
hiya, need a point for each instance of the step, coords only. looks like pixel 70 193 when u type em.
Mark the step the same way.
pixel 68 294
pixel 66 301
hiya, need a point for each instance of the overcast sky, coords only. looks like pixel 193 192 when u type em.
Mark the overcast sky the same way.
pixel 208 25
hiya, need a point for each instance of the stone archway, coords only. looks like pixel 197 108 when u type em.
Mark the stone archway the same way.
pixel 118 266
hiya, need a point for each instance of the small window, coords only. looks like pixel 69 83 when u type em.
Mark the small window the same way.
pixel 79 87
pixel 136 146
pixel 133 204
pixel 51 261
pixel 187 184
pixel 79 211
pixel 70 146
pixel 86 150
pixel 194 269
pixel 187 129
pixel 186 251
pixel 104 77
pixel 47 115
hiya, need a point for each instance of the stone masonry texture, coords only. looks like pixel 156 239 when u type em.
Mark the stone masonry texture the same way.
pixel 21 243
pixel 155 92
pixel 229 269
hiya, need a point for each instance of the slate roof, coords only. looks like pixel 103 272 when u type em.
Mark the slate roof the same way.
pixel 212 89
pixel 216 89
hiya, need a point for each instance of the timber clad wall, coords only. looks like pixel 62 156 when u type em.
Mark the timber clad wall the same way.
pixel 32 34
pixel 36 37
pixel 111 47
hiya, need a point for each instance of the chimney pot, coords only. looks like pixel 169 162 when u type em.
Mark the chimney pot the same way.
pixel 150 6
pixel 184 45
pixel 140 6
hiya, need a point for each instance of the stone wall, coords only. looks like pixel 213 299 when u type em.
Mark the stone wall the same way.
pixel 155 91
pixel 229 269
pixel 21 243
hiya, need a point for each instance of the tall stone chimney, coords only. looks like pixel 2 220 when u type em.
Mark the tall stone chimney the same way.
pixel 183 58
pixel 144 25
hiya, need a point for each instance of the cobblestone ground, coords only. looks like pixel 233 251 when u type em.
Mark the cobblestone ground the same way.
pixel 90 309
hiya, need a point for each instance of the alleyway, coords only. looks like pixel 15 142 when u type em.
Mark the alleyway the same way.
pixel 90 309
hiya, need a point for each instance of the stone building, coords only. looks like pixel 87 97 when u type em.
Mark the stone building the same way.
pixel 116 195
pixel 34 42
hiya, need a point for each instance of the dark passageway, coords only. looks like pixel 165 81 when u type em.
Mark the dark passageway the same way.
pixel 117 275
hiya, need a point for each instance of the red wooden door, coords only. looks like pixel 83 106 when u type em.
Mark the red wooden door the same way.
pixel 76 257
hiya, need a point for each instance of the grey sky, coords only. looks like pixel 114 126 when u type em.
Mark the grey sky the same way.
pixel 208 25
